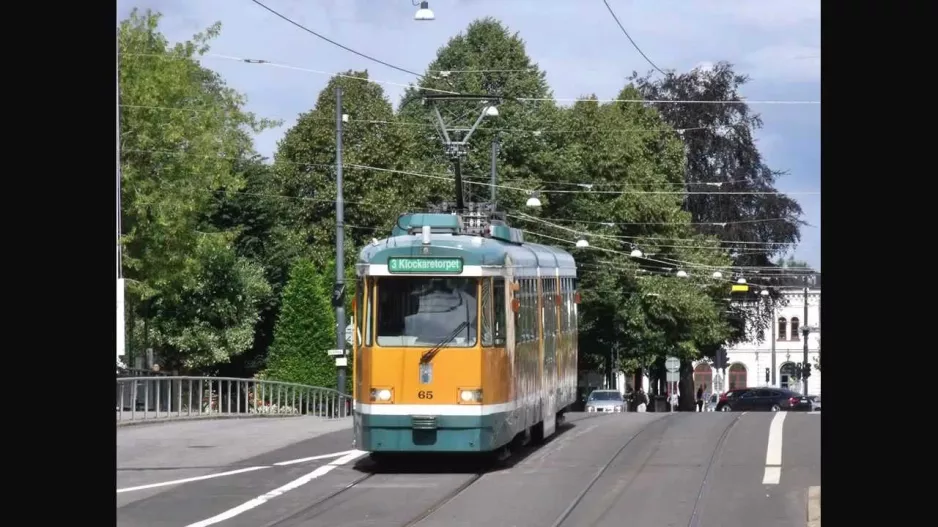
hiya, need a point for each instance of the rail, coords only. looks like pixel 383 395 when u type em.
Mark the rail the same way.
pixel 184 397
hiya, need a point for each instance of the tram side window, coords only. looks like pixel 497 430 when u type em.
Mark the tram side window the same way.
pixel 571 295
pixel 359 309
pixel 563 306
pixel 498 291
pixel 369 309
pixel 550 306
pixel 488 312
pixel 529 307
pixel 526 307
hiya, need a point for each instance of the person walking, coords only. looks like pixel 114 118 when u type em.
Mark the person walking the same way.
pixel 700 399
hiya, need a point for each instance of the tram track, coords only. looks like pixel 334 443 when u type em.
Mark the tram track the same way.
pixel 323 504
pixel 694 520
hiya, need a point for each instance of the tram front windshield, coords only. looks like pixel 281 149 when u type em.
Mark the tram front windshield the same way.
pixel 425 312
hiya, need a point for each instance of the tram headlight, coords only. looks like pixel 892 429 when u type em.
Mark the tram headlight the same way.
pixel 380 394
pixel 470 396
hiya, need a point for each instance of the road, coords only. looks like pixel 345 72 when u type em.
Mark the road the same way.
pixel 682 469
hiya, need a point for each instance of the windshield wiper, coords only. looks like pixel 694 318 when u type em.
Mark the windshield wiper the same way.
pixel 430 353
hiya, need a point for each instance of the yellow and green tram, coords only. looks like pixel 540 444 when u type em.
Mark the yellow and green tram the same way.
pixel 463 342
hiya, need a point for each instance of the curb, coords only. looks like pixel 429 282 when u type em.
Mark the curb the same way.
pixel 162 420
pixel 814 506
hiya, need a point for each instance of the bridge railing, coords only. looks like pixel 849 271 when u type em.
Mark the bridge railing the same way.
pixel 182 397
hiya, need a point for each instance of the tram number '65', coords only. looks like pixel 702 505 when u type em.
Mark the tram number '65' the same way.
pixel 424 395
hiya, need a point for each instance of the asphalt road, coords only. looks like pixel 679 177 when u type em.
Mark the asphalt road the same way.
pixel 683 469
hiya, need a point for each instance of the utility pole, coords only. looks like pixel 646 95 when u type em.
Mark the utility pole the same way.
pixel 494 162
pixel 773 322
pixel 805 332
pixel 338 292
pixel 121 329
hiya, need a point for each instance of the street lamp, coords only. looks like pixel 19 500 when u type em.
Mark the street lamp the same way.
pixel 682 274
pixel 581 243
pixel 741 281
pixel 533 200
pixel 764 292
pixel 636 253
pixel 717 275
pixel 424 13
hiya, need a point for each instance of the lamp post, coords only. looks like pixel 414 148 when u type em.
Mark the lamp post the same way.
pixel 805 331
pixel 424 13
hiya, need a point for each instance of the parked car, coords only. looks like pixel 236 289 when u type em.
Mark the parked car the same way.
pixel 605 401
pixel 763 399
pixel 815 403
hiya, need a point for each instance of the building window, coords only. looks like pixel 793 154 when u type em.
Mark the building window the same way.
pixel 703 377
pixel 788 376
pixel 737 376
pixel 794 328
pixel 782 328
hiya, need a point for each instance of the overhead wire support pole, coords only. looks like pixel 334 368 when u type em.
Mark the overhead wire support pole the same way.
pixel 495 147
pixel 121 315
pixel 338 294
pixel 804 363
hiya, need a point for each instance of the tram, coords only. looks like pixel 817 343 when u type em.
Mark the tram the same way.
pixel 465 337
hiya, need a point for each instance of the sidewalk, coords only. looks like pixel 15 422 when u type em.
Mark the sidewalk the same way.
pixel 814 506
pixel 215 442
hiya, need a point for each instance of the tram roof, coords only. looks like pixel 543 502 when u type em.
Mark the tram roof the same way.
pixel 491 251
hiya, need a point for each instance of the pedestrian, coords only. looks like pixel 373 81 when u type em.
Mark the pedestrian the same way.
pixel 700 399
pixel 642 399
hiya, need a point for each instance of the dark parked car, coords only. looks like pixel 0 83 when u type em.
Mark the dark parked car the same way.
pixel 763 400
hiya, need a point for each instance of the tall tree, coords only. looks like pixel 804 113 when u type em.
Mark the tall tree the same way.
pixel 721 149
pixel 635 309
pixel 190 297
pixel 304 331
pixel 487 59
pixel 375 151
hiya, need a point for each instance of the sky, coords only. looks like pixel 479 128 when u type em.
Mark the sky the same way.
pixel 577 43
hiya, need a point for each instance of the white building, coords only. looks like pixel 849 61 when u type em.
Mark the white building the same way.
pixel 781 349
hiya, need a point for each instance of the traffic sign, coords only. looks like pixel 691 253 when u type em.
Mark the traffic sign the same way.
pixel 673 376
pixel 348 333
pixel 335 353
pixel 672 364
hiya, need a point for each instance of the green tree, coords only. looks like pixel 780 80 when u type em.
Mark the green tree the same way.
pixel 486 59
pixel 721 148
pixel 304 170
pixel 304 331
pixel 633 308
pixel 258 217
pixel 190 297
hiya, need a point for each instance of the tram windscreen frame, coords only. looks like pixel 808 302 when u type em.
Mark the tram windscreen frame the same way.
pixel 420 311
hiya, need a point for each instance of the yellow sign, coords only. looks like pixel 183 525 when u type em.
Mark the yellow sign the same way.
pixel 740 288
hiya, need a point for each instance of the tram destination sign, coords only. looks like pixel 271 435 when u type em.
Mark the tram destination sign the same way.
pixel 425 265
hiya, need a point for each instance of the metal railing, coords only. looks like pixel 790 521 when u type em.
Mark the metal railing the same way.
pixel 181 397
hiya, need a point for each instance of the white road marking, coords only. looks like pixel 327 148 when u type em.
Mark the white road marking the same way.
pixel 313 458
pixel 187 480
pixel 773 452
pixel 233 472
pixel 264 498
pixel 772 475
